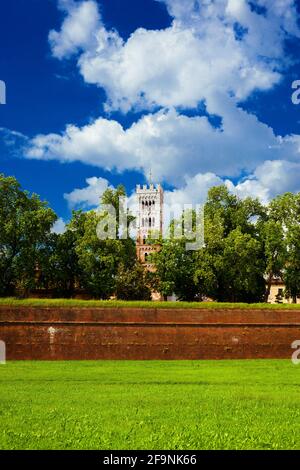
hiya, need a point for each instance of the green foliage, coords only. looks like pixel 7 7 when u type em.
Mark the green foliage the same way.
pixel 175 268
pixel 231 265
pixel 292 268
pixel 132 283
pixel 151 405
pixel 242 268
pixel 99 260
pixel 231 212
pixel 59 269
pixel 282 247
pixel 112 197
pixel 25 223
pixel 233 248
pixel 274 249
pixel 246 246
pixel 79 259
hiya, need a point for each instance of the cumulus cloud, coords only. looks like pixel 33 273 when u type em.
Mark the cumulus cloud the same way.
pixel 270 179
pixel 214 52
pixel 78 31
pixel 90 195
pixel 203 50
pixel 193 191
pixel 267 181
pixel 59 226
pixel 174 146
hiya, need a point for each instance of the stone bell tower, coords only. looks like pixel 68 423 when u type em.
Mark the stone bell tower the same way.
pixel 150 220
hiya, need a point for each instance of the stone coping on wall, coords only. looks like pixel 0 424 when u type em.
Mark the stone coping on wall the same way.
pixel 116 315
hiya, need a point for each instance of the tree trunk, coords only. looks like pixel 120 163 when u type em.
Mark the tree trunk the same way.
pixel 269 285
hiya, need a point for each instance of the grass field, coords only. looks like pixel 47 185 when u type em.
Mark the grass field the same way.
pixel 150 405
pixel 142 304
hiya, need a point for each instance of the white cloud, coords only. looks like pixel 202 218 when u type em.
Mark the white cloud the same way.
pixel 90 195
pixel 267 181
pixel 59 226
pixel 270 179
pixel 194 191
pixel 78 31
pixel 216 52
pixel 172 145
pixel 199 54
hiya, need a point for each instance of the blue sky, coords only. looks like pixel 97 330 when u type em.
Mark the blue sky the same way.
pixel 197 92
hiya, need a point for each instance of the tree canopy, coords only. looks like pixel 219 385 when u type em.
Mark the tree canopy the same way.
pixel 246 245
pixel 25 223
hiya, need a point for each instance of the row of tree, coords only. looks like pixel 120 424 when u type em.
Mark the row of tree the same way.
pixel 247 244
pixel 33 257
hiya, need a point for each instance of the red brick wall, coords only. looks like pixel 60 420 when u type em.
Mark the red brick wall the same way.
pixel 115 333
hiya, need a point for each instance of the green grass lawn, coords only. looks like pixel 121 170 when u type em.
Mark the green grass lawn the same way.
pixel 150 405
pixel 142 304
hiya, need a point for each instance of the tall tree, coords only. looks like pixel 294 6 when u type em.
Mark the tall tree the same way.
pixel 113 197
pixel 289 208
pixel 25 223
pixel 272 233
pixel 99 258
pixel 175 270
pixel 231 230
pixel 232 211
pixel 242 269
pixel 292 268
pixel 281 240
pixel 59 268
pixel 132 283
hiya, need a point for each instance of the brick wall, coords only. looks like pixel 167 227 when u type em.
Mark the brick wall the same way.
pixel 122 333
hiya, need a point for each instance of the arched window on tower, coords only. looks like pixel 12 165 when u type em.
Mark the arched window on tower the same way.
pixel 143 222
pixel 149 221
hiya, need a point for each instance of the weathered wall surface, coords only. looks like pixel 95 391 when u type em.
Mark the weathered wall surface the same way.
pixel 115 333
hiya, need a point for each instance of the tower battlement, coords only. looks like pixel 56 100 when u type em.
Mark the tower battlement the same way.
pixel 142 188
